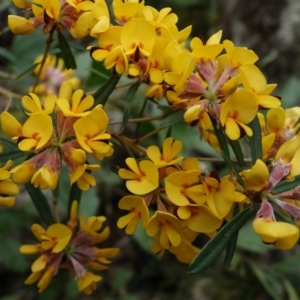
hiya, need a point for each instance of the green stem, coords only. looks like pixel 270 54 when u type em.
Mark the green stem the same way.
pixel 46 51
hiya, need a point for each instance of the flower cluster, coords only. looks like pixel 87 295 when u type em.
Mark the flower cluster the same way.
pixel 60 130
pixel 73 247
pixel 186 200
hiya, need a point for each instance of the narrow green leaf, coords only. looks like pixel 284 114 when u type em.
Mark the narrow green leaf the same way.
pixel 102 94
pixel 237 149
pixel 172 119
pixel 41 204
pixel 230 249
pixel 218 243
pixel 290 290
pixel 267 281
pixel 231 167
pixel 77 46
pixel 10 154
pixel 75 194
pixel 7 54
pixel 132 90
pixel 255 140
pixel 220 136
pixel 287 185
pixel 126 116
pixel 10 144
pixel 66 52
pixel 27 71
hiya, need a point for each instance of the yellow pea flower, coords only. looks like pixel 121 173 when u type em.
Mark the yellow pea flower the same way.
pixel 171 148
pixel 199 218
pixel 33 104
pixel 221 195
pixel 33 135
pixel 237 111
pixel 253 80
pixel 82 176
pixel 78 106
pixel 183 188
pixel 90 133
pixel 8 189
pixel 168 228
pixel 87 283
pixel 138 211
pixel 142 178
pixel 282 235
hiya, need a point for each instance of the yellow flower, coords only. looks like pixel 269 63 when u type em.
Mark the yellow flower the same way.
pixel 257 177
pixel 221 195
pixel 82 176
pixel 282 235
pixel 87 283
pixel 33 104
pixel 138 211
pixel 78 106
pixel 171 148
pixel 90 133
pixel 35 133
pixel 199 218
pixel 167 226
pixel 19 25
pixel 142 178
pixel 237 111
pixel 8 189
pixel 183 188
pixel 253 80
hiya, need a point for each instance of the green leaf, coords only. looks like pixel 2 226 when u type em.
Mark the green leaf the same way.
pixel 290 290
pixel 255 140
pixel 115 169
pixel 27 71
pixel 7 54
pixel 237 149
pixel 230 249
pixel 75 194
pixel 287 185
pixel 126 116
pixel 102 94
pixel 10 154
pixel 41 204
pixel 218 243
pixel 268 282
pixel 172 119
pixel 220 136
pixel 8 143
pixel 132 90
pixel 66 52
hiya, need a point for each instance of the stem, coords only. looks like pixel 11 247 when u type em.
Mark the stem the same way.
pixel 46 51
pixel 137 120
pixel 10 94
pixel 149 134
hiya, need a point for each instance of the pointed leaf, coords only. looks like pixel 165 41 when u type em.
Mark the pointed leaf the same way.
pixel 255 140
pixel 102 94
pixel 41 204
pixel 230 249
pixel 287 185
pixel 218 243
pixel 27 71
pixel 10 154
pixel 237 149
pixel 66 52
pixel 132 90
pixel 172 119
pixel 8 143
pixel 220 136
